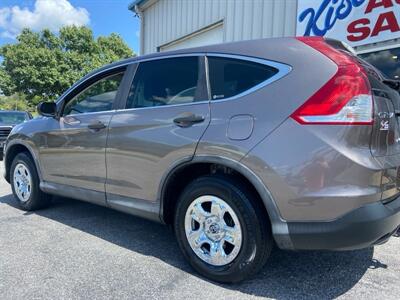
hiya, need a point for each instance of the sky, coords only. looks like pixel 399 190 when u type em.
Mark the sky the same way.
pixel 102 16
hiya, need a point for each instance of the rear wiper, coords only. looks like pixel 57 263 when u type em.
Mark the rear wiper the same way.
pixel 394 84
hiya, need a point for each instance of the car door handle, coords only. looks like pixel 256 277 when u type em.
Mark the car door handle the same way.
pixel 187 121
pixel 98 125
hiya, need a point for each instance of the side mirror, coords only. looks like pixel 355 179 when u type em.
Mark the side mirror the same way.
pixel 47 109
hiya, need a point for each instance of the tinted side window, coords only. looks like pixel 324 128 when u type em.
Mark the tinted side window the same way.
pixel 230 77
pixel 97 97
pixel 165 82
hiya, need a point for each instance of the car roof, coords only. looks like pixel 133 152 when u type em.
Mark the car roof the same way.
pixel 224 47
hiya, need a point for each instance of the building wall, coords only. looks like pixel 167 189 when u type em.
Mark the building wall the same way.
pixel 166 21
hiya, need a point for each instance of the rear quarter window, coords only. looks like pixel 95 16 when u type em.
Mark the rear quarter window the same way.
pixel 230 76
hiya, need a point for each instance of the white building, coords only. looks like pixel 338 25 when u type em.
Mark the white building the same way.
pixel 370 26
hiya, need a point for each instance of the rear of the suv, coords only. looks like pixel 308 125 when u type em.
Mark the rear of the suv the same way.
pixel 332 166
pixel 238 146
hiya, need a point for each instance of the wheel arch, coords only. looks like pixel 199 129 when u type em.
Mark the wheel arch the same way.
pixel 12 150
pixel 200 165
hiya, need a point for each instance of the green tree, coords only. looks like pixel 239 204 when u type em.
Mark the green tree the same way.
pixel 43 65
pixel 16 102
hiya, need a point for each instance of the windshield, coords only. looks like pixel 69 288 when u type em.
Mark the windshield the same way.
pixel 12 118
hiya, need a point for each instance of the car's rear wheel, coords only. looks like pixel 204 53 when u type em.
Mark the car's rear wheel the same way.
pixel 224 235
pixel 25 184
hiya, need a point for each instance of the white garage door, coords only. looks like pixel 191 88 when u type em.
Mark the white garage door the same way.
pixel 209 36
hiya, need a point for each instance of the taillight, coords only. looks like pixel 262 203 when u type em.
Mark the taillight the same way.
pixel 345 99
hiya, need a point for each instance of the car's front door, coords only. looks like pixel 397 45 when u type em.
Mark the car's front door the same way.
pixel 166 112
pixel 73 149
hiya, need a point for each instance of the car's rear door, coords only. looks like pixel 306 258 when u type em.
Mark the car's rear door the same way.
pixel 72 151
pixel 166 113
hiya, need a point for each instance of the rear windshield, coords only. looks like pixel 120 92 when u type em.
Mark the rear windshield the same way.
pixel 12 118
pixel 230 77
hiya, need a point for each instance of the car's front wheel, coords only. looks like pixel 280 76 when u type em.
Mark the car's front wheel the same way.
pixel 25 184
pixel 224 235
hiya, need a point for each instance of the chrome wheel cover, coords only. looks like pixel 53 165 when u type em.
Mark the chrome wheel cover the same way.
pixel 213 230
pixel 22 182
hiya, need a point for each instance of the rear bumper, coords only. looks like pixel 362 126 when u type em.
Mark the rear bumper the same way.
pixel 369 225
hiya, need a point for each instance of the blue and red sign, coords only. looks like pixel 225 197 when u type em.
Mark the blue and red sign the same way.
pixel 356 22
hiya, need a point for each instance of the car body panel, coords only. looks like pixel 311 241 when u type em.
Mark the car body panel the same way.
pixel 142 144
pixel 73 192
pixel 72 154
pixel 318 179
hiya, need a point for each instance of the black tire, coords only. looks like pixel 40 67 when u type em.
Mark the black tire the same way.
pixel 37 198
pixel 257 239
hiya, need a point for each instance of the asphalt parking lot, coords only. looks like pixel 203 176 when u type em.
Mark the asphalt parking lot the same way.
pixel 77 250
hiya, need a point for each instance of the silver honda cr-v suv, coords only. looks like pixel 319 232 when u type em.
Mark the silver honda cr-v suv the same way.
pixel 239 146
